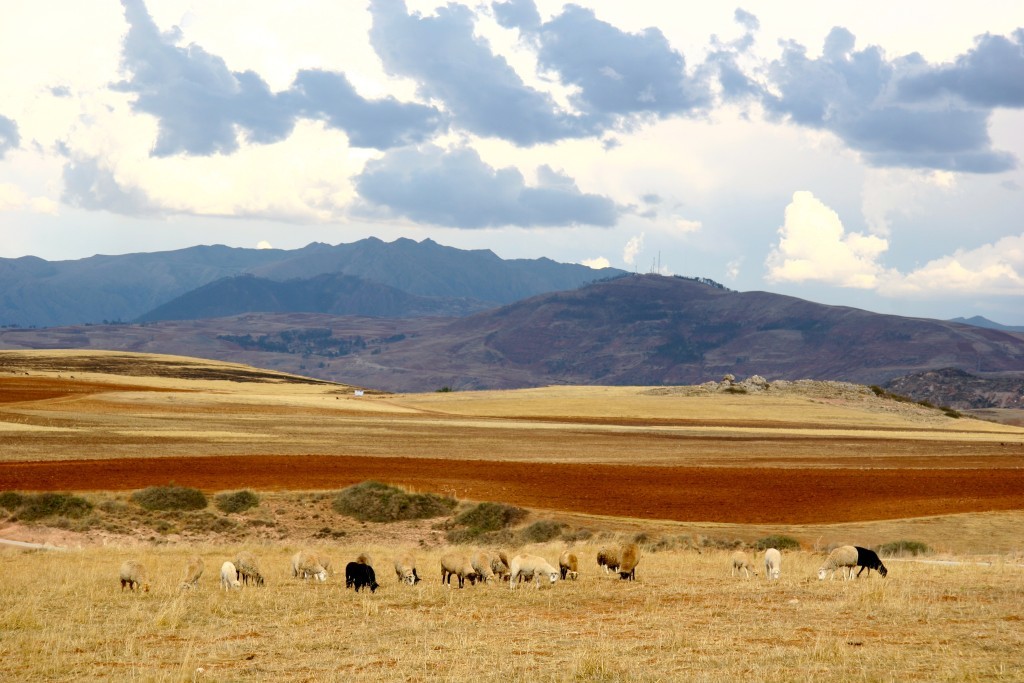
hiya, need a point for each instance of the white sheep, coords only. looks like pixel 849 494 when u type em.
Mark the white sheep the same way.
pixel 193 570
pixel 306 564
pixel 568 565
pixel 248 569
pixel 740 562
pixel 481 561
pixel 405 569
pixel 229 576
pixel 499 565
pixel 455 564
pixel 528 567
pixel 134 575
pixel 772 563
pixel 844 557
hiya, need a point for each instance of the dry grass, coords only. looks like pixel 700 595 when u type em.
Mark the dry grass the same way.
pixel 63 616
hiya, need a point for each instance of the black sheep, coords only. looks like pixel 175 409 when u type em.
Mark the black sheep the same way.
pixel 358 575
pixel 868 559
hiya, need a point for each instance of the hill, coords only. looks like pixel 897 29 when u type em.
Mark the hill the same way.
pixel 124 287
pixel 635 330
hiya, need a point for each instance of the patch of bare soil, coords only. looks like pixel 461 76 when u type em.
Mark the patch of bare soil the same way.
pixel 727 495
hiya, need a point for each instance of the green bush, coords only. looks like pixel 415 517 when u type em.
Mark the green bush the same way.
pixel 372 501
pixel 170 498
pixel 778 542
pixel 900 548
pixel 42 505
pixel 238 501
pixel 541 531
pixel 491 516
pixel 11 500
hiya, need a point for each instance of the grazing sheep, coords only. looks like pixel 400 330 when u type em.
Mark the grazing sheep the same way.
pixel 193 570
pixel 740 562
pixel 229 576
pixel 306 564
pixel 364 558
pixel 526 567
pixel 568 565
pixel 481 562
pixel 359 574
pixel 248 569
pixel 454 564
pixel 844 557
pixel 499 565
pixel 772 563
pixel 405 569
pixel 608 558
pixel 868 559
pixel 629 558
pixel 134 575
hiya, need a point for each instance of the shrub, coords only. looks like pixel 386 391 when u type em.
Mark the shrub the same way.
pixel 170 498
pixel 541 531
pixel 43 505
pixel 491 516
pixel 11 500
pixel 899 548
pixel 238 501
pixel 372 501
pixel 777 541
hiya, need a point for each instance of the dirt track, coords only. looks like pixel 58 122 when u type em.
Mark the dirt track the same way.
pixel 725 495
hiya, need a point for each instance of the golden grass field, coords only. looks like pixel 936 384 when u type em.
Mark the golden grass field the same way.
pixel 822 466
pixel 64 617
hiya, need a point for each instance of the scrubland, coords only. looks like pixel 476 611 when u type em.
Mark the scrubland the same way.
pixel 64 616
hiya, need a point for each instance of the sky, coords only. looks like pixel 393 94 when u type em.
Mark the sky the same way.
pixel 861 153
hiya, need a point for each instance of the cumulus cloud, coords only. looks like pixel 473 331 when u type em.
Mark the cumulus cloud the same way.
pixel 992 269
pixel 480 90
pixel 9 137
pixel 632 249
pixel 458 189
pixel 13 198
pixel 596 263
pixel 89 185
pixel 201 105
pixel 856 95
pixel 814 247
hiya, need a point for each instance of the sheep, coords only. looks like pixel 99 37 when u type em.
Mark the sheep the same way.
pixel 229 576
pixel 248 569
pixel 844 557
pixel 454 564
pixel 629 558
pixel 772 563
pixel 499 565
pixel 405 569
pixel 608 558
pixel 364 558
pixel 568 565
pixel 740 562
pixel 528 567
pixel 481 562
pixel 134 575
pixel 359 574
pixel 306 564
pixel 193 570
pixel 868 559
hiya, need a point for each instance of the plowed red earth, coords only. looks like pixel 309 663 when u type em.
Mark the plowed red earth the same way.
pixel 728 495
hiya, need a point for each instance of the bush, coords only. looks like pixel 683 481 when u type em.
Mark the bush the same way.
pixel 778 542
pixel 11 500
pixel 170 498
pixel 43 505
pixel 372 501
pixel 238 501
pixel 491 516
pixel 541 531
pixel 900 548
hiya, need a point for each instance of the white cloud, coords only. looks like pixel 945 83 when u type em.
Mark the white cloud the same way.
pixel 992 269
pixel 732 269
pixel 596 263
pixel 684 225
pixel 814 246
pixel 889 192
pixel 13 198
pixel 632 248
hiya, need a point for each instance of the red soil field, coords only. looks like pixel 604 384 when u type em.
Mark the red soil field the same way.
pixel 693 494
